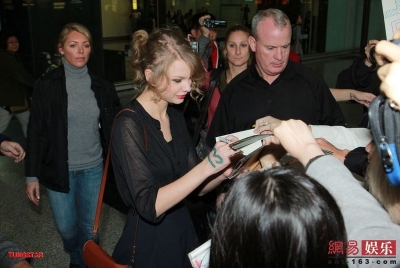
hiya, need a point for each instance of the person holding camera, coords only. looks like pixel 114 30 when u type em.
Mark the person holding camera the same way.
pixel 199 38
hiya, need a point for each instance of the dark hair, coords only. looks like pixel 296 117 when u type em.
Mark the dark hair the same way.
pixel 4 35
pixel 277 218
pixel 237 28
pixel 157 51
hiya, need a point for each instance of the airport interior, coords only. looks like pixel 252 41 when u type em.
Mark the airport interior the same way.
pixel 339 31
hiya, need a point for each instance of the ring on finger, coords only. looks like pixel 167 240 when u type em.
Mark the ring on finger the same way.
pixel 265 123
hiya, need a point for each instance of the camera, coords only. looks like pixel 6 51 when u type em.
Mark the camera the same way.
pixel 210 23
pixel 195 46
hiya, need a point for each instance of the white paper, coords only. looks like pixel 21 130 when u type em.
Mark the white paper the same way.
pixel 244 134
pixel 200 257
pixel 391 16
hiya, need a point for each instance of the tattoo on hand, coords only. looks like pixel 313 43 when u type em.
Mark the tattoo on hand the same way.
pixel 219 158
pixel 211 162
pixel 219 161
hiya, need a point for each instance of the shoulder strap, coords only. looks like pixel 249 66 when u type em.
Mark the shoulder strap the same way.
pixel 105 172
pixel 385 127
pixel 214 82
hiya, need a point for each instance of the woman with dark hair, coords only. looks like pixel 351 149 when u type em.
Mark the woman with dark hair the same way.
pixel 15 82
pixel 285 218
pixel 238 56
pixel 365 219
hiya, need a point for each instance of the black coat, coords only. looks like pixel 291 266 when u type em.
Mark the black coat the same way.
pixel 360 77
pixel 47 138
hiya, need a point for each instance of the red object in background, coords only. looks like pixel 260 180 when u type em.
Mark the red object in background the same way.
pixel 294 57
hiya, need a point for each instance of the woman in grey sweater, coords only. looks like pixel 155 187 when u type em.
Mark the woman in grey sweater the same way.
pixel 68 134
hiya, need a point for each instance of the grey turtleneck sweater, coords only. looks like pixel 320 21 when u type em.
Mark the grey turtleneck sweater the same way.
pixel 84 146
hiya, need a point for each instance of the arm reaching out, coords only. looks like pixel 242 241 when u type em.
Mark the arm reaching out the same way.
pixel 361 97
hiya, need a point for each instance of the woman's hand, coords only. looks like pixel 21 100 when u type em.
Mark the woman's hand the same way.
pixel 220 156
pixel 260 125
pixel 33 192
pixel 364 98
pixel 13 150
pixel 296 137
pixel 329 148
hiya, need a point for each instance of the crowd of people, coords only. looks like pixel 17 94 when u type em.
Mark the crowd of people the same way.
pixel 274 217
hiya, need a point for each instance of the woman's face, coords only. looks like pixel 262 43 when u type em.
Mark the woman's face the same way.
pixel 76 49
pixel 179 82
pixel 237 48
pixel 12 44
pixel 299 19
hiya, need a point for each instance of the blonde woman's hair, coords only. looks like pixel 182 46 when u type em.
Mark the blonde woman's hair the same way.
pixel 156 52
pixel 74 27
pixel 379 186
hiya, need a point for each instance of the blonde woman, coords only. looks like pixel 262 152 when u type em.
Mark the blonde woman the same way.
pixel 154 160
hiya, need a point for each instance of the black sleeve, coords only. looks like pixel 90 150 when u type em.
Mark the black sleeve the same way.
pixel 4 138
pixel 360 77
pixel 132 169
pixel 357 161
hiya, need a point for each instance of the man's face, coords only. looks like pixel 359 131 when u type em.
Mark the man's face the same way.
pixel 271 48
pixel 213 34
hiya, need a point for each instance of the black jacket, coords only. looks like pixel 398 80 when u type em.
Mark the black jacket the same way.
pixel 14 79
pixel 360 77
pixel 47 141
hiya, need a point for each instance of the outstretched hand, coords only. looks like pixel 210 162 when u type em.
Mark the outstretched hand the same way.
pixel 364 98
pixel 294 135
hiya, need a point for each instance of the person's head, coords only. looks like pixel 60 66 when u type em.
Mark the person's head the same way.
pixel 379 186
pixel 75 44
pixel 276 218
pixel 297 19
pixel 9 41
pixel 164 62
pixel 237 51
pixel 270 40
